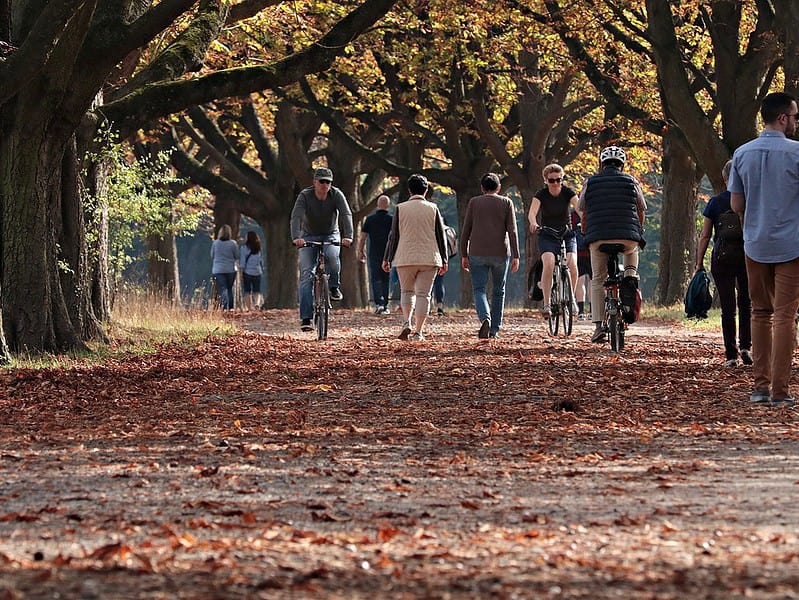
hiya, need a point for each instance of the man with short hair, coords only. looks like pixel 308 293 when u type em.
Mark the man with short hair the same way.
pixel 376 227
pixel 764 183
pixel 612 209
pixel 488 237
pixel 317 214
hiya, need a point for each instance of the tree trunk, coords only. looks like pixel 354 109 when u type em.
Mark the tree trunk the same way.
pixel 35 310
pixel 678 221
pixel 162 267
pixel 282 267
pixel 789 19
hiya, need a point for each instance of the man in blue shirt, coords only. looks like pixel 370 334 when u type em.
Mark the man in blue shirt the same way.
pixel 764 183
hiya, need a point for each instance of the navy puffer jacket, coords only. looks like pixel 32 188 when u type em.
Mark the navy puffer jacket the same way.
pixel 611 207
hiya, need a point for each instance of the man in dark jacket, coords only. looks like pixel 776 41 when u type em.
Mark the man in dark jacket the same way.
pixel 318 213
pixel 376 227
pixel 612 208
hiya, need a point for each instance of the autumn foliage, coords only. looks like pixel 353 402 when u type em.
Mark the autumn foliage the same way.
pixel 271 465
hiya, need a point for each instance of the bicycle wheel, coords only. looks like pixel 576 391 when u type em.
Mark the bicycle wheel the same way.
pixel 566 315
pixel 616 333
pixel 554 305
pixel 321 307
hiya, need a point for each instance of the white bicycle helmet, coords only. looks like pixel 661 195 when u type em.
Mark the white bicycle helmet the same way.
pixel 613 153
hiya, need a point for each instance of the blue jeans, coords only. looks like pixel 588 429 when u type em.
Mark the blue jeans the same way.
pixel 497 267
pixel 308 258
pixel 224 287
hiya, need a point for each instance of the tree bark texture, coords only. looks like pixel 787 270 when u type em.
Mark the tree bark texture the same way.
pixel 678 220
pixel 162 267
pixel 68 51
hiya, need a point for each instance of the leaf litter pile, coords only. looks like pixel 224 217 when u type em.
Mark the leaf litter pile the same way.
pixel 271 465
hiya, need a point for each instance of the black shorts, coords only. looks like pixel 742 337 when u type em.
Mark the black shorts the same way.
pixel 584 266
pixel 251 284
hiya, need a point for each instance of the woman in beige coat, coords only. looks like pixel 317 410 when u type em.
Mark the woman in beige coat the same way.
pixel 417 248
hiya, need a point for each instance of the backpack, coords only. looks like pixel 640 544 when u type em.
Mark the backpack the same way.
pixel 728 246
pixel 630 297
pixel 698 297
pixel 452 240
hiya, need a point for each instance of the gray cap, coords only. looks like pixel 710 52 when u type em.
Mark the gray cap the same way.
pixel 323 173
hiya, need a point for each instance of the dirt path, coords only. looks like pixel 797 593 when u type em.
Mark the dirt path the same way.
pixel 275 466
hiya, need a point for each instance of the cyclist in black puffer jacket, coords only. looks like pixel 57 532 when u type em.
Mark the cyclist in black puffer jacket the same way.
pixel 612 207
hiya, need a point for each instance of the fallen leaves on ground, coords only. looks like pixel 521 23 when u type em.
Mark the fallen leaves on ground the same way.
pixel 273 465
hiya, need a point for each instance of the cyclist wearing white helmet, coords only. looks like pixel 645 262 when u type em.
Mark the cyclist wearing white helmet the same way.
pixel 612 208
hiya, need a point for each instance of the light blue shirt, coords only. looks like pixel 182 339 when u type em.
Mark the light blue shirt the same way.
pixel 225 255
pixel 766 172
pixel 250 263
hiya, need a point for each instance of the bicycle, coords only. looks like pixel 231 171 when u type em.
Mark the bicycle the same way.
pixel 613 323
pixel 321 290
pixel 561 299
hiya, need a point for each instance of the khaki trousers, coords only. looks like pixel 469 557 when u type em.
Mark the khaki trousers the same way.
pixel 774 290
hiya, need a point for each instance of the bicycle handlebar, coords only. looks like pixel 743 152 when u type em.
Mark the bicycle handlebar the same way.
pixel 315 243
pixel 554 232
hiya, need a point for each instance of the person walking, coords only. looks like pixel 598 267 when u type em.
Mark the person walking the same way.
pixel 224 256
pixel 376 227
pixel 252 268
pixel 439 289
pixel 488 238
pixel 550 208
pixel 319 211
pixel 583 267
pixel 417 248
pixel 764 186
pixel 728 267
pixel 612 208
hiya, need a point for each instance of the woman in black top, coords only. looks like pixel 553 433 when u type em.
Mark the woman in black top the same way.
pixel 551 207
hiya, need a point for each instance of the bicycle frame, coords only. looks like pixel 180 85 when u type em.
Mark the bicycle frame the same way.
pixel 613 323
pixel 321 290
pixel 562 295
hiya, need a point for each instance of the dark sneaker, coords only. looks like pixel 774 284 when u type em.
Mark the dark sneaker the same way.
pixel 760 397
pixel 485 326
pixel 787 401
pixel 440 312
pixel 730 363
pixel 305 325
pixel 335 294
pixel 493 334
pixel 598 337
pixel 406 331
pixel 746 357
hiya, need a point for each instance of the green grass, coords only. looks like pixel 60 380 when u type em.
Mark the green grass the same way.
pixel 676 314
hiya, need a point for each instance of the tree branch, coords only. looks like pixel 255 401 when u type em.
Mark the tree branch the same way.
pixel 34 52
pixel 161 99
